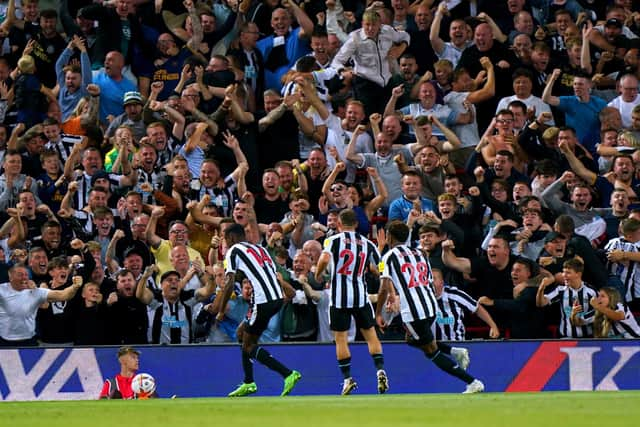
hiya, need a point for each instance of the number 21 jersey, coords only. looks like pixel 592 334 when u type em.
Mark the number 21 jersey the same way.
pixel 350 253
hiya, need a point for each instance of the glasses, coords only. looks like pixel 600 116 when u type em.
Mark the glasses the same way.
pixel 338 188
pixel 504 121
pixel 178 231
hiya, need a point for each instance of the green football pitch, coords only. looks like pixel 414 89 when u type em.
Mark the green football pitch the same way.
pixel 490 409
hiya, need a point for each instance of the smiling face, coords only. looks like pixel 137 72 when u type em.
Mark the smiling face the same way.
pixel 103 225
pixel 411 186
pixel 280 22
pixel 427 95
pixel 447 209
pixel 51 237
pixel 270 183
pixel 519 273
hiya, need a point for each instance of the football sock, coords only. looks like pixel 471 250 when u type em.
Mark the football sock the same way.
pixel 449 366
pixel 264 357
pixel 378 360
pixel 345 367
pixel 247 367
pixel 445 348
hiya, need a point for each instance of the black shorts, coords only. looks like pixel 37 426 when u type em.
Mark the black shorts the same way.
pixel 419 332
pixel 340 318
pixel 258 318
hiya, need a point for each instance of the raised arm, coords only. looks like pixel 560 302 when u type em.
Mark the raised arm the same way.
pixel 434 33
pixel 576 165
pixel 306 25
pixel 67 293
pixel 542 300
pixel 489 88
pixel 396 93
pixel 463 265
pixel 153 239
pixel 143 293
pixel 452 141
pixel 352 155
pixel 546 93
pixel 326 187
pixel 375 203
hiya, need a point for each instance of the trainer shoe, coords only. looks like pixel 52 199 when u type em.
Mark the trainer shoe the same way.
pixel 244 389
pixel 475 387
pixel 462 357
pixel 290 382
pixel 348 386
pixel 383 382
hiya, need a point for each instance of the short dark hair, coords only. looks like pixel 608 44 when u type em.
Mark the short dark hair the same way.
pixel 348 217
pixel 398 230
pixel 235 232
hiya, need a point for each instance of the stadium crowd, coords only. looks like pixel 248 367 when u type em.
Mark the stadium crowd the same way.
pixel 134 132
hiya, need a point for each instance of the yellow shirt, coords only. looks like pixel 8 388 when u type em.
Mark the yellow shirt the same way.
pixel 162 257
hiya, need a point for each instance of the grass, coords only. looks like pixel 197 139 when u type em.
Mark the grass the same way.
pixel 490 409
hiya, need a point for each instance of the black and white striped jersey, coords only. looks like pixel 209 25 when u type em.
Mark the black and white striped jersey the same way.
pixel 627 271
pixel 351 254
pixel 254 261
pixel 627 327
pixel 567 296
pixel 223 198
pixel 410 273
pixel 81 198
pixel 452 306
pixel 64 145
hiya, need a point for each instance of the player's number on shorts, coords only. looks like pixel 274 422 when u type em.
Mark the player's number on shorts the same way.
pixel 261 258
pixel 349 258
pixel 419 274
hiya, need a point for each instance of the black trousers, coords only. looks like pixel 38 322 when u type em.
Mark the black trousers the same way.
pixel 372 95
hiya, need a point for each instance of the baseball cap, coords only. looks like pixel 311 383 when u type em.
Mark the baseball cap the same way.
pixel 169 273
pixel 615 22
pixel 552 235
pixel 98 175
pixel 126 350
pixel 132 97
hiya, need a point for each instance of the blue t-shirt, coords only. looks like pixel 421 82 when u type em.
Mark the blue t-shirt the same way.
pixel 112 94
pixel 400 208
pixel 295 49
pixel 583 117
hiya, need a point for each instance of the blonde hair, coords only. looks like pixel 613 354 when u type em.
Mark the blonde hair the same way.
pixel 26 65
pixel 631 138
pixel 601 323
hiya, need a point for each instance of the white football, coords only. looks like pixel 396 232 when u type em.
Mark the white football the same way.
pixel 143 384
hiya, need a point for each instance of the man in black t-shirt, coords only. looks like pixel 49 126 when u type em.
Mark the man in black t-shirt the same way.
pixel 492 272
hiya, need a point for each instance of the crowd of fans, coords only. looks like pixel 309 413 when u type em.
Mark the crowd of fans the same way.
pixel 133 132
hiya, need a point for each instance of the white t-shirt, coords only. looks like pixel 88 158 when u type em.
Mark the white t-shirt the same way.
pixel 18 311
pixel 625 108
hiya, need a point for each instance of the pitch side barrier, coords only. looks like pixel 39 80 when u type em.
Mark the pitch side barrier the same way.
pixel 214 370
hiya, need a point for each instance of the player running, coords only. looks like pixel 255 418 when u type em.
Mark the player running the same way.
pixel 409 272
pixel 349 254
